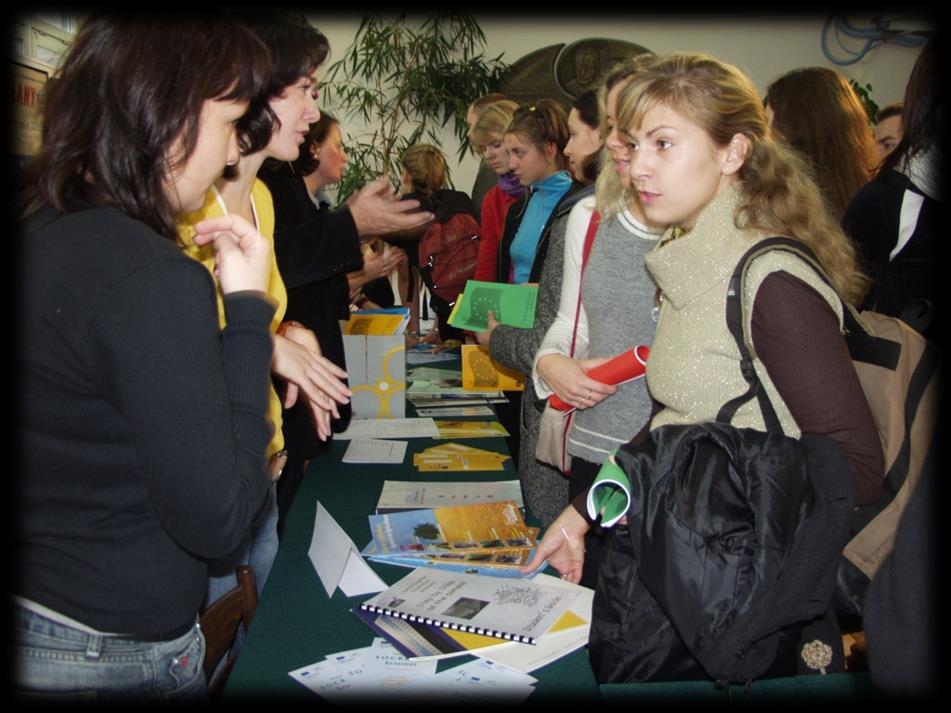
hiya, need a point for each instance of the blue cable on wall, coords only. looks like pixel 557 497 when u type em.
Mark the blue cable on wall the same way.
pixel 877 33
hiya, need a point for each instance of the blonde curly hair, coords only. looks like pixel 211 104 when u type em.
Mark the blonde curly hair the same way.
pixel 778 191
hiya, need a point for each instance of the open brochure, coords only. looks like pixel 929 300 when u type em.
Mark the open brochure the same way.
pixel 455 529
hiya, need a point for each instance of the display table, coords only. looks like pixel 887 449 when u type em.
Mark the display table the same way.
pixel 297 624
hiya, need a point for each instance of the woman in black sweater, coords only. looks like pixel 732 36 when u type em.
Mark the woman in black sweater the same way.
pixel 140 425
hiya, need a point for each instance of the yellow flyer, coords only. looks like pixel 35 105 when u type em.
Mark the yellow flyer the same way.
pixel 480 372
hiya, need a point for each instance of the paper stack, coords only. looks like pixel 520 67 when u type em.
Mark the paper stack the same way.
pixel 480 372
pixel 513 610
pixel 470 429
pixel 457 457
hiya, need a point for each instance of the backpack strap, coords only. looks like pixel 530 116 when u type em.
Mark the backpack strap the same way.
pixel 744 340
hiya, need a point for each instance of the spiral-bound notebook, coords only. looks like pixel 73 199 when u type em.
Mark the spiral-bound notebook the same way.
pixel 515 610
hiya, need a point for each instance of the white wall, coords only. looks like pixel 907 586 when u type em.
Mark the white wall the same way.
pixel 764 46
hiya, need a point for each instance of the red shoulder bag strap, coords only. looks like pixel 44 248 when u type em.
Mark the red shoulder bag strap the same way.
pixel 586 251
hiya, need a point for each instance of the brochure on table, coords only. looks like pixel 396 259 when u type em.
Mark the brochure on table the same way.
pixel 399 495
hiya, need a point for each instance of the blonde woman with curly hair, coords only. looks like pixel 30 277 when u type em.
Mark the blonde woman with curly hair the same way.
pixel 704 162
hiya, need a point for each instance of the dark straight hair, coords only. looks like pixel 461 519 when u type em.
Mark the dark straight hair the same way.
pixel 586 104
pixel 297 49
pixel 306 163
pixel 923 112
pixel 124 111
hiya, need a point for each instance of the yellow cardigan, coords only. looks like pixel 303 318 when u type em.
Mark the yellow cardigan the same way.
pixel 264 211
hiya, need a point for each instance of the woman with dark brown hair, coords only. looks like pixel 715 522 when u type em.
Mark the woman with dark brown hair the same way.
pixel 141 423
pixel 817 113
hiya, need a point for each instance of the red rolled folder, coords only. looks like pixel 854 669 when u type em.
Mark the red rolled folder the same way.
pixel 626 366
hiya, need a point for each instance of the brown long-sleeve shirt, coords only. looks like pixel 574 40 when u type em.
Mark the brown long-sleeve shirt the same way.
pixel 796 336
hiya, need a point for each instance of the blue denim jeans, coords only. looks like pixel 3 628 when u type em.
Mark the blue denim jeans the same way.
pixel 55 662
pixel 260 555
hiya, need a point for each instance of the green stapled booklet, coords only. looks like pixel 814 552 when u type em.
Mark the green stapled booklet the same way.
pixel 512 304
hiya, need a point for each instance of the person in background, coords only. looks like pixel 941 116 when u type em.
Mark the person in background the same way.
pixel 545 489
pixel 897 220
pixel 141 426
pixel 816 111
pixel 486 137
pixel 617 311
pixel 584 138
pixel 535 140
pixel 704 162
pixel 485 178
pixel 888 130
pixel 425 177
pixel 283 113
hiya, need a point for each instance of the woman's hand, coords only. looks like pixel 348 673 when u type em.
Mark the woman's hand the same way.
pixel 562 546
pixel 242 255
pixel 484 336
pixel 297 360
pixel 569 379
pixel 392 258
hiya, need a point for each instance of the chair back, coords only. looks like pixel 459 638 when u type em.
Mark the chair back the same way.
pixel 219 623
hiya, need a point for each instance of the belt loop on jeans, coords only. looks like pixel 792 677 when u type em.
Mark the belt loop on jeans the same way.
pixel 94 647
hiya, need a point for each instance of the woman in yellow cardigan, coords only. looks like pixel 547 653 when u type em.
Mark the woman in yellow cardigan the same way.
pixel 277 130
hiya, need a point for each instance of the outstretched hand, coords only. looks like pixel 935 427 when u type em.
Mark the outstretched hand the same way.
pixel 377 210
pixel 562 546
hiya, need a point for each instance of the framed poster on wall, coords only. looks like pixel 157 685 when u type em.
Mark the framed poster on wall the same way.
pixel 29 82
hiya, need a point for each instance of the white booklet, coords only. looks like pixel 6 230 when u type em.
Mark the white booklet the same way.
pixel 511 609
pixel 415 495
pixel 375 450
pixel 389 428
